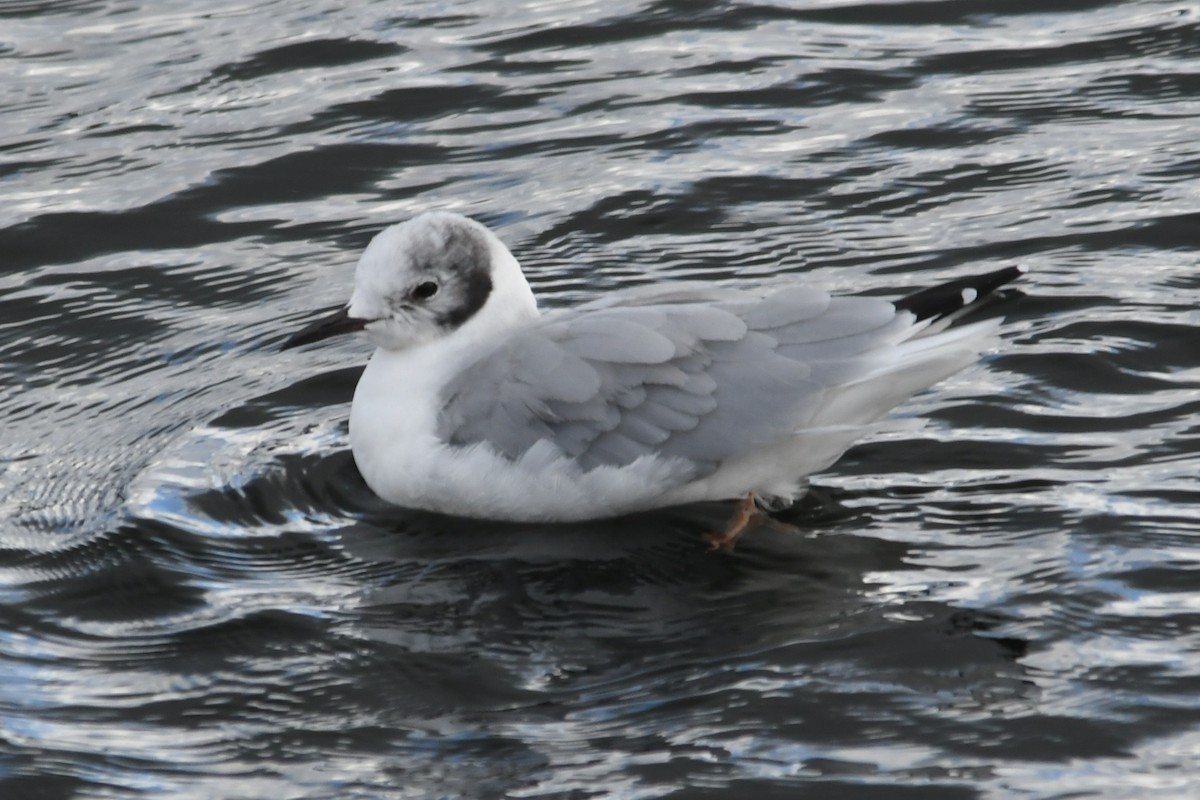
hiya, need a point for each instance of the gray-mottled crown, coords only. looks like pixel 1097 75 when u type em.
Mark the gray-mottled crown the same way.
pixel 452 252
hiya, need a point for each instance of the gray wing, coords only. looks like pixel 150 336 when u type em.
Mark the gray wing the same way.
pixel 669 372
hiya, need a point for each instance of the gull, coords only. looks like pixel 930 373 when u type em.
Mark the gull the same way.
pixel 476 404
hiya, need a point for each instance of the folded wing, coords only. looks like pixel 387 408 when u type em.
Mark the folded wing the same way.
pixel 701 376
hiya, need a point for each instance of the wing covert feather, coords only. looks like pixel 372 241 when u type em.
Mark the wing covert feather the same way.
pixel 698 375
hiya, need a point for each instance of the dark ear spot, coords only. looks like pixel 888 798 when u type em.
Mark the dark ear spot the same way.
pixel 476 288
pixel 469 283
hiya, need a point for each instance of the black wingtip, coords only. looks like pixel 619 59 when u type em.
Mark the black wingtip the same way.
pixel 949 298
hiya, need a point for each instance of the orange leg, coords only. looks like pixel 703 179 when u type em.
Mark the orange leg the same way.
pixel 745 512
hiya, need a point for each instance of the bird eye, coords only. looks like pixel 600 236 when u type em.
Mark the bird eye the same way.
pixel 424 291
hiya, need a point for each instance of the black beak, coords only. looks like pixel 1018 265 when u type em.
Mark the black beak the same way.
pixel 337 322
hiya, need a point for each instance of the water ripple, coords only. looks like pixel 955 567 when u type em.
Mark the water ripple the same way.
pixel 202 598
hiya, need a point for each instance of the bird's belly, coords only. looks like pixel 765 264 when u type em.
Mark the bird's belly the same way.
pixel 404 463
pixel 542 486
pixel 393 435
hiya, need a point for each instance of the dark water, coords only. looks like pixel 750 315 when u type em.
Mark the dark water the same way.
pixel 201 598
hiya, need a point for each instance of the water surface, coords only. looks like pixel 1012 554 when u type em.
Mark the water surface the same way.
pixel 201 598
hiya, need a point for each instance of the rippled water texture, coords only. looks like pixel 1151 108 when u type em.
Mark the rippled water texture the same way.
pixel 201 598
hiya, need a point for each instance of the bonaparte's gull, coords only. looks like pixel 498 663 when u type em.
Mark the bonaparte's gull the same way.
pixel 475 404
